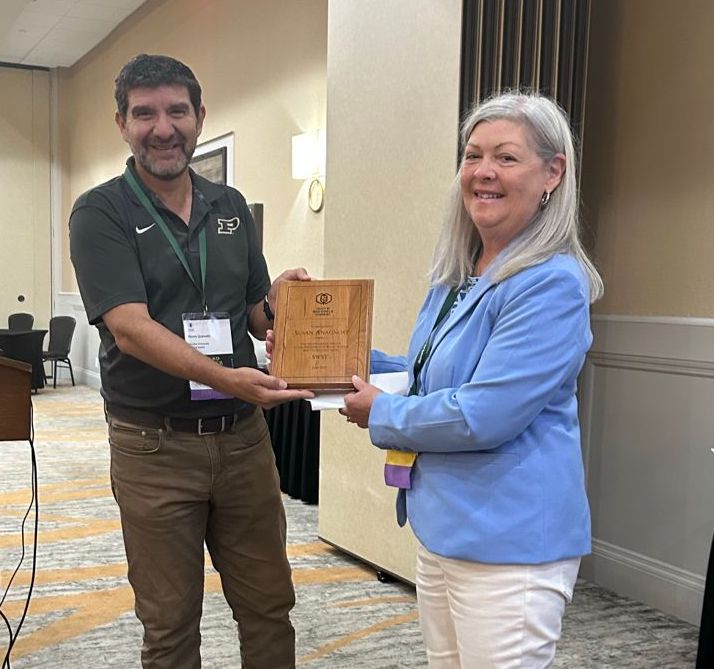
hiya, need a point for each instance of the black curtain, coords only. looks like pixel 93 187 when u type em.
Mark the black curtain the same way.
pixel 534 45
pixel 705 654
pixel 295 433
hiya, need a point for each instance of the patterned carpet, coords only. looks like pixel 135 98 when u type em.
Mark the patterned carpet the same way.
pixel 81 612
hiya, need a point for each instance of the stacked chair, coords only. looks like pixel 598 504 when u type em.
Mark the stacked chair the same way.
pixel 61 333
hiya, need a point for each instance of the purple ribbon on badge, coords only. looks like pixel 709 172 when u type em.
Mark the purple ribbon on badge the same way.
pixel 398 469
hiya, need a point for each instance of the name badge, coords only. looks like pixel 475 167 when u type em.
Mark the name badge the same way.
pixel 209 334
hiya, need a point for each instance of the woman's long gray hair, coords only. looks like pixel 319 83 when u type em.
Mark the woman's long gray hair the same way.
pixel 554 228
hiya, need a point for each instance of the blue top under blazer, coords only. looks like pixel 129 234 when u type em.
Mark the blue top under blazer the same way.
pixel 499 477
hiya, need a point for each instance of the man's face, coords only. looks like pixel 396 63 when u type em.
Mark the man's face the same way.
pixel 161 128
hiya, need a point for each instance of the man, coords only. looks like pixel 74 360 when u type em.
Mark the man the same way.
pixel 168 266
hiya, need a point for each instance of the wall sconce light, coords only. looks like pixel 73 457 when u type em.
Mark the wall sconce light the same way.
pixel 309 163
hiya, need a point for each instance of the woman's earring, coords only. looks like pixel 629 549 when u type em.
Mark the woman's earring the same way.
pixel 545 199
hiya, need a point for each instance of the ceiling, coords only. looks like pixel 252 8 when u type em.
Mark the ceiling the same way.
pixel 57 33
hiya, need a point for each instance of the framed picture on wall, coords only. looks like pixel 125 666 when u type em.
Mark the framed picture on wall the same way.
pixel 213 160
pixel 256 210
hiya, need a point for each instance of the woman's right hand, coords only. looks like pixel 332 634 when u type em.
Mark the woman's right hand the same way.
pixel 269 344
pixel 359 403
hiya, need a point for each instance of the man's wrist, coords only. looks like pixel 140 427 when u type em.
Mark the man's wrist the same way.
pixel 267 310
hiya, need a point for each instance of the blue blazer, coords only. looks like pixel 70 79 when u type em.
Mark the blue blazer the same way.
pixel 499 477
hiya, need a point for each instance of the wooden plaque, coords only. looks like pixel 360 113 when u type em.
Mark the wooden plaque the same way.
pixel 323 332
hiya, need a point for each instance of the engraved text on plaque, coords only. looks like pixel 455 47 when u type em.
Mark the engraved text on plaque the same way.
pixel 323 332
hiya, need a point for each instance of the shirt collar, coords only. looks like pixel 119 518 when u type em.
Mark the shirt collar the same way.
pixel 207 190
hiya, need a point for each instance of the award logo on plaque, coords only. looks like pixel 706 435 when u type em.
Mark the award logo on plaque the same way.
pixel 323 332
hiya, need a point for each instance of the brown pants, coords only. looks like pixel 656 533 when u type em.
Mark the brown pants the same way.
pixel 175 491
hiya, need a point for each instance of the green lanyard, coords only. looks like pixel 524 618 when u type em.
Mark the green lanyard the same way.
pixel 425 350
pixel 134 184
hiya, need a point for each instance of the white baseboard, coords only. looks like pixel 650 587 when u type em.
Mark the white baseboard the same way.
pixel 88 378
pixel 658 584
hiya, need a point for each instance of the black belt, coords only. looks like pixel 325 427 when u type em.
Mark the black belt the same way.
pixel 202 426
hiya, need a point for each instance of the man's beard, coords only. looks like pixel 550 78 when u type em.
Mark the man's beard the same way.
pixel 162 169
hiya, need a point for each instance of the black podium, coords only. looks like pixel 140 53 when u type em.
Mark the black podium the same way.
pixel 26 345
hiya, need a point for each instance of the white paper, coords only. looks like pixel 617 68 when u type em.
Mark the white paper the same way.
pixel 391 382
pixel 260 355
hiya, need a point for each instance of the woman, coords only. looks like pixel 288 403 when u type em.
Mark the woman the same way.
pixel 495 493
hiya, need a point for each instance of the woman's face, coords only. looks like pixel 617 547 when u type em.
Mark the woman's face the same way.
pixel 503 180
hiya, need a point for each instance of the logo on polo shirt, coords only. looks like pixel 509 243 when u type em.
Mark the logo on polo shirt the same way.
pixel 141 231
pixel 227 226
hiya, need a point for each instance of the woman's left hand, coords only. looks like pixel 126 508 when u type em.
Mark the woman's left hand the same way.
pixel 359 403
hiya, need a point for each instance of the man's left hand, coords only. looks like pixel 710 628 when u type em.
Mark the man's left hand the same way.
pixel 297 274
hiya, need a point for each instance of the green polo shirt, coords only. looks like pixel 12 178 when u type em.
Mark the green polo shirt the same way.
pixel 120 256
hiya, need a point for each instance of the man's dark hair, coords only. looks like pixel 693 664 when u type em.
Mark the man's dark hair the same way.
pixel 152 72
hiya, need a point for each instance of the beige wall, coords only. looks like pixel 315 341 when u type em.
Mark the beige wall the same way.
pixel 648 143
pixel 25 229
pixel 648 387
pixel 262 69
pixel 392 86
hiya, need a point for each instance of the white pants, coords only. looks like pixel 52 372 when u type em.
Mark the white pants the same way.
pixel 491 616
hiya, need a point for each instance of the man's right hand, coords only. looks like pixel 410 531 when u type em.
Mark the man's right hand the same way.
pixel 138 335
pixel 252 385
